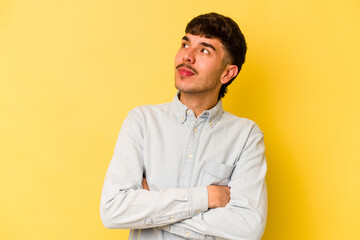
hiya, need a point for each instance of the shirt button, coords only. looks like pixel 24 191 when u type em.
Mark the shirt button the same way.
pixel 172 219
pixel 211 123
pixel 195 129
pixel 198 211
pixel 182 119
pixel 189 155
pixel 188 111
pixel 187 234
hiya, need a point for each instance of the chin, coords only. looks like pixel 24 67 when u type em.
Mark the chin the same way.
pixel 181 86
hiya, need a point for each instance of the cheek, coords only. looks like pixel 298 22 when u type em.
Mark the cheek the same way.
pixel 211 66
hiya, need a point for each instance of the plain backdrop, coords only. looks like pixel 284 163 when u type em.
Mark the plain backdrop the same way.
pixel 71 70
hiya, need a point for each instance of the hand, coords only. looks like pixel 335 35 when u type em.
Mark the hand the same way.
pixel 218 196
pixel 145 185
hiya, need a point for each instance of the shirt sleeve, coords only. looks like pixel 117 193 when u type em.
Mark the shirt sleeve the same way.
pixel 244 217
pixel 125 204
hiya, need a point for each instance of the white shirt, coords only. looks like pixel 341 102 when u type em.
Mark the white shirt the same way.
pixel 180 155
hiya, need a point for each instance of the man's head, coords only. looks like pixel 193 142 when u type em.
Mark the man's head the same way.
pixel 215 27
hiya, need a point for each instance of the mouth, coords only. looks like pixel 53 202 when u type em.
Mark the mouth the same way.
pixel 186 71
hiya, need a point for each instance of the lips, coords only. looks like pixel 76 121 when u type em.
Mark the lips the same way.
pixel 185 72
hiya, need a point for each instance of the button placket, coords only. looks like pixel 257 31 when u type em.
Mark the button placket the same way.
pixel 190 153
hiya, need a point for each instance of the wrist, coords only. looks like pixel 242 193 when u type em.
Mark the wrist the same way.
pixel 210 196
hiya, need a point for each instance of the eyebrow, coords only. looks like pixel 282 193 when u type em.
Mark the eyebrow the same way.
pixel 205 44
pixel 208 45
pixel 186 38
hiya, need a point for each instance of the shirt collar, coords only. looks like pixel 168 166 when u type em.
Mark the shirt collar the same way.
pixel 212 115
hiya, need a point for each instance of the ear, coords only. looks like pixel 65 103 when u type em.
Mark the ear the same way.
pixel 229 72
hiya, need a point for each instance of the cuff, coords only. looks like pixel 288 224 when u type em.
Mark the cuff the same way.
pixel 198 197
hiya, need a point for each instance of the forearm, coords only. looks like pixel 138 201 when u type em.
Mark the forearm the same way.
pixel 138 208
pixel 238 220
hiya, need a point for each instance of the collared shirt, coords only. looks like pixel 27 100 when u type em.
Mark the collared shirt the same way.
pixel 180 155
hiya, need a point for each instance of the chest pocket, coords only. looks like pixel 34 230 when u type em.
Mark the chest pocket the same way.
pixel 216 174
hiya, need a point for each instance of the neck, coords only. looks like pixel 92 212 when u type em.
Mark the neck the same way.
pixel 197 102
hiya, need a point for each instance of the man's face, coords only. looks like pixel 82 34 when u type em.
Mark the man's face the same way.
pixel 199 65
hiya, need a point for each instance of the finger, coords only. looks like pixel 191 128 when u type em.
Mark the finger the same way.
pixel 145 185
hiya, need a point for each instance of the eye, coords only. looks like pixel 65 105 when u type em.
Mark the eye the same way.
pixel 205 51
pixel 185 45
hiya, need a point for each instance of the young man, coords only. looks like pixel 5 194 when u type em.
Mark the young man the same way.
pixel 188 169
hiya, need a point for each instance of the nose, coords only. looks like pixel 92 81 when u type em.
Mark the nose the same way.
pixel 189 56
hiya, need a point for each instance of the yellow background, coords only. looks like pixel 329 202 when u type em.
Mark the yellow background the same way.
pixel 71 70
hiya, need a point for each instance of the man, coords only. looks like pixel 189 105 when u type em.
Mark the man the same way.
pixel 188 169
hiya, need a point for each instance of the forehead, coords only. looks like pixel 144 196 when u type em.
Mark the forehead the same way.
pixel 196 39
